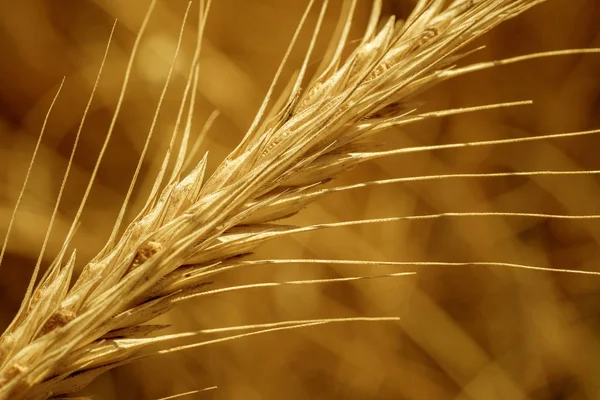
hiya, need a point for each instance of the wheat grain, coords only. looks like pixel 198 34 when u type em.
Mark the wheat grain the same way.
pixel 63 336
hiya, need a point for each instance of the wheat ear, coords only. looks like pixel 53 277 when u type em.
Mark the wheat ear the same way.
pixel 194 228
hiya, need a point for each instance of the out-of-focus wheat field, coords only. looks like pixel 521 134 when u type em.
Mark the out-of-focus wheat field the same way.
pixel 465 332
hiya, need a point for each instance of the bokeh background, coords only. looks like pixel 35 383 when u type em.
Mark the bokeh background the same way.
pixel 465 332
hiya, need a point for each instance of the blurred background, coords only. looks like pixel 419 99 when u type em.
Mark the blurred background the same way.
pixel 465 332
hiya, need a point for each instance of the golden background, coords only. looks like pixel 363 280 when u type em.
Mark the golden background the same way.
pixel 465 332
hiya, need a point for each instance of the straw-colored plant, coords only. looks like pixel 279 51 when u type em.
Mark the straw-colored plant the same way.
pixel 193 227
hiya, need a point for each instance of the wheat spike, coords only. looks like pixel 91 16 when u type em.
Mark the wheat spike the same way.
pixel 193 227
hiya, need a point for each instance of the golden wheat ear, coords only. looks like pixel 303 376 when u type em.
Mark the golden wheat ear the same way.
pixel 192 227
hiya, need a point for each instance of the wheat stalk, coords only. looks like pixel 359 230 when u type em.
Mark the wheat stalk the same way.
pixel 195 228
